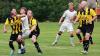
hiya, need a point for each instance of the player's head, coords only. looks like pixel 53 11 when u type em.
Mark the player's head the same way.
pixel 71 6
pixel 79 7
pixel 29 13
pixel 23 10
pixel 83 4
pixel 13 12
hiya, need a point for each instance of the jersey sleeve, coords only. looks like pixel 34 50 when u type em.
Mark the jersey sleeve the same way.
pixel 78 14
pixel 7 22
pixel 93 13
pixel 34 22
pixel 65 13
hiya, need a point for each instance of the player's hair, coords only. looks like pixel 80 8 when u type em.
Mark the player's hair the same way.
pixel 71 3
pixel 24 9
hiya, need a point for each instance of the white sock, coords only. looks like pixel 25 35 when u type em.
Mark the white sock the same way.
pixel 22 47
pixel 71 40
pixel 57 38
pixel 12 53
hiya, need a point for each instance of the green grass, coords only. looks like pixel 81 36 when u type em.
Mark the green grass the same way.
pixel 48 32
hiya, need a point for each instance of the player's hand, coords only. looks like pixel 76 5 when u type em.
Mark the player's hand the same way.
pixel 19 38
pixel 4 30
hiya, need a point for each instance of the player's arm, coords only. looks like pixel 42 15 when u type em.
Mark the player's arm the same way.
pixel 77 18
pixel 5 26
pixel 34 24
pixel 93 13
pixel 62 18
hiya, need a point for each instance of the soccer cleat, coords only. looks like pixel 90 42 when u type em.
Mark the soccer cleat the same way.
pixel 54 43
pixel 23 51
pixel 84 52
pixel 12 53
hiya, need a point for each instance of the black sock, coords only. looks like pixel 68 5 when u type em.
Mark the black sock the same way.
pixel 79 36
pixel 19 45
pixel 37 47
pixel 90 39
pixel 11 45
pixel 86 45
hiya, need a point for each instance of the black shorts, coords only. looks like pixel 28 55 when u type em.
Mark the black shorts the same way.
pixel 36 33
pixel 89 28
pixel 82 28
pixel 13 37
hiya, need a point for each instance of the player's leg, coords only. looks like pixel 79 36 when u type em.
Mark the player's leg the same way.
pixel 71 32
pixel 92 27
pixel 78 31
pixel 72 38
pixel 57 38
pixel 86 40
pixel 20 42
pixel 36 44
pixel 61 30
pixel 12 39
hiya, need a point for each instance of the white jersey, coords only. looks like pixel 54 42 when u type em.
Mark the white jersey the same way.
pixel 25 27
pixel 25 24
pixel 68 15
pixel 67 24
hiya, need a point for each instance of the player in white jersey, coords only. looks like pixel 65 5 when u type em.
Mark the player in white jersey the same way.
pixel 25 25
pixel 68 17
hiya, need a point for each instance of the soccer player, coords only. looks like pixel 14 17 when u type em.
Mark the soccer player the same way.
pixel 68 17
pixel 16 30
pixel 87 15
pixel 25 27
pixel 80 27
pixel 34 29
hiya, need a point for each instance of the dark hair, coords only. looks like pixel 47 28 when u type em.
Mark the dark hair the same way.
pixel 24 9
pixel 11 12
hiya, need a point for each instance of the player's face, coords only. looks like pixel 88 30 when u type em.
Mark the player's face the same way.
pixel 29 13
pixel 13 12
pixel 22 11
pixel 71 7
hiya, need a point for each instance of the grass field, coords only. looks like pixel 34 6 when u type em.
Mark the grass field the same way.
pixel 48 32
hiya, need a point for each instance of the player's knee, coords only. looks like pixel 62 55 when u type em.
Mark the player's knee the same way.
pixel 33 38
pixel 78 31
pixel 59 33
pixel 71 35
pixel 10 43
pixel 87 36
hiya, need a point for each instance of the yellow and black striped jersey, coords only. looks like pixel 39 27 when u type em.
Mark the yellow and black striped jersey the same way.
pixel 85 16
pixel 15 24
pixel 32 22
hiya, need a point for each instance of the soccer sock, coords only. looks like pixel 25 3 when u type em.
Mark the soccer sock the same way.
pixel 90 39
pixel 72 39
pixel 57 38
pixel 23 45
pixel 11 45
pixel 86 45
pixel 79 36
pixel 37 47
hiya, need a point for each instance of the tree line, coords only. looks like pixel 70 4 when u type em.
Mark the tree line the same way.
pixel 43 10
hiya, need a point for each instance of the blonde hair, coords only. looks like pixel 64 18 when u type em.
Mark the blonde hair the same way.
pixel 71 4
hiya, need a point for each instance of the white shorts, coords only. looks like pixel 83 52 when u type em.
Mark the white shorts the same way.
pixel 68 26
pixel 26 33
